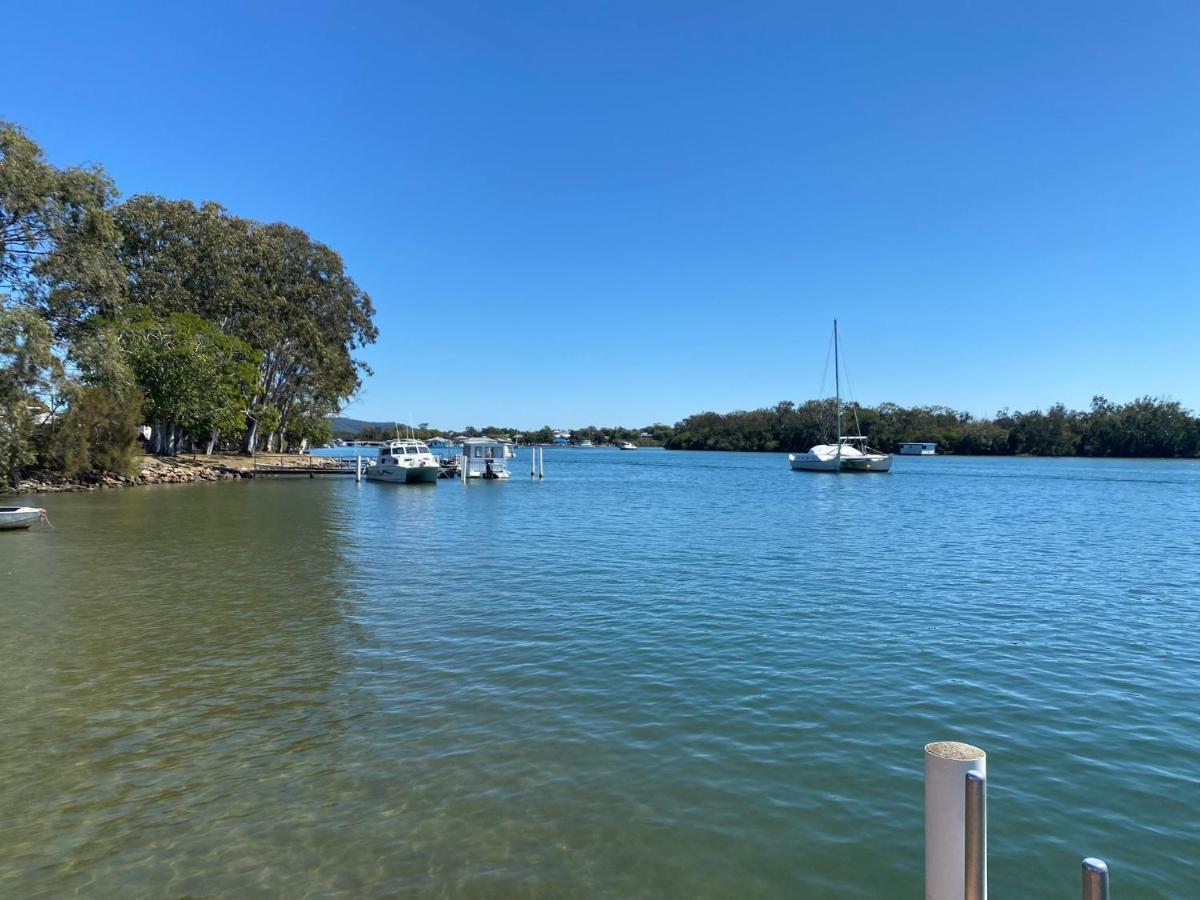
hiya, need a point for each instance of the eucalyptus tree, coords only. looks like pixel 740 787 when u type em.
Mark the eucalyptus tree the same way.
pixel 195 377
pixel 56 231
pixel 271 286
pixel 309 320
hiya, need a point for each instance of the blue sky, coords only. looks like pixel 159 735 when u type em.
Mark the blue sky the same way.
pixel 607 212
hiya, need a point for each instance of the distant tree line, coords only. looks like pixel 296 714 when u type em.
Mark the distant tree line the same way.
pixel 1142 428
pixel 650 435
pixel 208 327
pixel 1148 427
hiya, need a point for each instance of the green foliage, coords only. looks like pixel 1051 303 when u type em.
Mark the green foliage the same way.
pixel 209 322
pixel 98 432
pixel 192 374
pixel 1145 427
pixel 271 286
pixel 315 429
pixel 29 372
pixel 56 233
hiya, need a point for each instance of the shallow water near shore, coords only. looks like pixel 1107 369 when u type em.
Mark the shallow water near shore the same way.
pixel 651 674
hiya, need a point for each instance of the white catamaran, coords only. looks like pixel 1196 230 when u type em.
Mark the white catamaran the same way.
pixel 850 453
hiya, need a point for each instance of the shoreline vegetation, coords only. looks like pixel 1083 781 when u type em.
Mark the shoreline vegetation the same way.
pixel 1145 428
pixel 215 331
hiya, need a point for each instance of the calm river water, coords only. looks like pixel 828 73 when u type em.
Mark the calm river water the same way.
pixel 653 674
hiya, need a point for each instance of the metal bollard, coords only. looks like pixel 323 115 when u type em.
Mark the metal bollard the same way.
pixel 975 832
pixel 1095 879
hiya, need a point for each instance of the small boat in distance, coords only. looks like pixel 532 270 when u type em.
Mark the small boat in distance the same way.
pixel 850 453
pixel 628 446
pixel 404 462
pixel 14 517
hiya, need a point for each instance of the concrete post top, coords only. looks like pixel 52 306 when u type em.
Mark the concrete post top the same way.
pixel 953 750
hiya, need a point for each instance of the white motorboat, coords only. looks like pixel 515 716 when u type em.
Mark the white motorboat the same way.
pixel 14 517
pixel 404 462
pixel 628 446
pixel 850 453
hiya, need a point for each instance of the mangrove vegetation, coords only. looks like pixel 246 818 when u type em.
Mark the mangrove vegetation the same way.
pixel 1146 427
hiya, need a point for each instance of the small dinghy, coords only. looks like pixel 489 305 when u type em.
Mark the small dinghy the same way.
pixel 12 517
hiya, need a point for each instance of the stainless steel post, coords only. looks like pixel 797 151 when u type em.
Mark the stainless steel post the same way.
pixel 1095 879
pixel 975 832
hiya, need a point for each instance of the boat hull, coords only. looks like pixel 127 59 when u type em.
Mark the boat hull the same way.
pixel 810 462
pixel 13 518
pixel 406 474
pixel 869 462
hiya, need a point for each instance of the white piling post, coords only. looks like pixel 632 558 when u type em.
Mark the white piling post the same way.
pixel 946 766
pixel 532 459
pixel 1095 879
pixel 541 463
pixel 357 468
pixel 465 461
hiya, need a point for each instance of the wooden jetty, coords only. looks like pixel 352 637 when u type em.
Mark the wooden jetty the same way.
pixel 341 466
pixel 310 471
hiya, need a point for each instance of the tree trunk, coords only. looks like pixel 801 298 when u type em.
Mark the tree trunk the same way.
pixel 250 438
pixel 157 442
pixel 212 440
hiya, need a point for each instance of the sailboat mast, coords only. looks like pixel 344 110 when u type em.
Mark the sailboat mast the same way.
pixel 837 388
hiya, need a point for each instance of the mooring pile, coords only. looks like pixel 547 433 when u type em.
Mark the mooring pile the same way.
pixel 956 827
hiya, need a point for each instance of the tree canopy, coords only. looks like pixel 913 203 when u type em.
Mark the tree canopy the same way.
pixel 185 316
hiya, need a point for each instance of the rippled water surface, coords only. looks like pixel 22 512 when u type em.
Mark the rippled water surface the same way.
pixel 651 674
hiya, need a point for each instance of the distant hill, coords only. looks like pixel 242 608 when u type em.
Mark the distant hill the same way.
pixel 343 426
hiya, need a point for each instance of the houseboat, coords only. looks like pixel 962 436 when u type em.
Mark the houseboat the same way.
pixel 485 458
pixel 918 448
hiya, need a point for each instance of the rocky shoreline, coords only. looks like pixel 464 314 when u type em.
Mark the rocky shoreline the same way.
pixel 154 471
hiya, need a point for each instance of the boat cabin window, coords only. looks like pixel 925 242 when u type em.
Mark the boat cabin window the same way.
pixel 411 451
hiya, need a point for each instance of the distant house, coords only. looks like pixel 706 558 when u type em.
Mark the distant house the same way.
pixel 560 440
pixel 919 448
pixel 440 442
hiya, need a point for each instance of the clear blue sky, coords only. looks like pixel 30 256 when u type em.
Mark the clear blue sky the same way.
pixel 605 212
